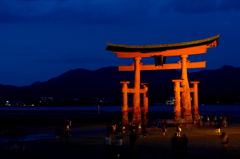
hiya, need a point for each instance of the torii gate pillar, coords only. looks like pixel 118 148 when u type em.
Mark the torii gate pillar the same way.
pixel 177 103
pixel 195 100
pixel 125 102
pixel 186 99
pixel 145 101
pixel 136 94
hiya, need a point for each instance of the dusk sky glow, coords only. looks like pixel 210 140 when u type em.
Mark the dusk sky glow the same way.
pixel 41 39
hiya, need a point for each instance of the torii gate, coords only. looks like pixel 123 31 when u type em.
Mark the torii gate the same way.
pixel 182 90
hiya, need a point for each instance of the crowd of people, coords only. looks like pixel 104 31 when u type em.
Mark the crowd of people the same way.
pixel 114 139
pixel 222 120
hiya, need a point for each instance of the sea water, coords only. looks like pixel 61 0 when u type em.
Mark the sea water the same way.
pixel 225 110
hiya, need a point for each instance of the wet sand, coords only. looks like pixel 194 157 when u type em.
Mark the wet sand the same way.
pixel 203 143
pixel 88 135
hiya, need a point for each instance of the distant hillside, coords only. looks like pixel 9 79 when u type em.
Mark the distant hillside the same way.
pixel 104 82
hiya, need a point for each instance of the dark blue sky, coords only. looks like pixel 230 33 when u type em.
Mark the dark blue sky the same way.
pixel 41 39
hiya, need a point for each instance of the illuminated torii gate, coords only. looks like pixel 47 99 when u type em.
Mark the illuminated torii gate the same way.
pixel 160 52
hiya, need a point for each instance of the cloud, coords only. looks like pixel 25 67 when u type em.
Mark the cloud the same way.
pixel 105 11
pixel 203 6
pixel 88 11
pixel 226 5
pixel 194 6
pixel 75 60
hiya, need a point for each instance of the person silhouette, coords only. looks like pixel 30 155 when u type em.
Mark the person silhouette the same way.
pixel 224 141
pixel 175 144
pixel 183 144
pixel 133 140
pixel 178 129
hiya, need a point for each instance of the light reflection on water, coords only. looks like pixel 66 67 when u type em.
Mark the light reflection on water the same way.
pixel 4 139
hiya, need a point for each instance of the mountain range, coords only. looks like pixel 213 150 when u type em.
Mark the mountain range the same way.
pixel 104 82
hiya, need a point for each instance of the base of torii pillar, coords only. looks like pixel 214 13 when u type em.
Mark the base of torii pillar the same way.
pixel 177 119
pixel 136 120
pixel 197 120
pixel 188 119
pixel 125 120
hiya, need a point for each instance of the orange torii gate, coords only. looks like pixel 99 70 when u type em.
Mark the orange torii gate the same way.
pixel 182 106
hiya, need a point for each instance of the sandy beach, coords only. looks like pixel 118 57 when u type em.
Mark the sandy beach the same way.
pixel 203 143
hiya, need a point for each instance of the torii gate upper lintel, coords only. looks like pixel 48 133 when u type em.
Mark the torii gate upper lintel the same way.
pixel 160 52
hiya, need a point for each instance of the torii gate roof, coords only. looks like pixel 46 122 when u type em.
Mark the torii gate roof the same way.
pixel 160 47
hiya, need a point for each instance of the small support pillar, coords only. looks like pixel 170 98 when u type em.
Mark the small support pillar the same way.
pixel 186 100
pixel 136 95
pixel 195 100
pixel 145 101
pixel 125 119
pixel 177 103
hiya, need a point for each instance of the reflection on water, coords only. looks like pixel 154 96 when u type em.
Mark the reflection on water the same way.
pixel 39 136
pixel 202 108
pixel 16 137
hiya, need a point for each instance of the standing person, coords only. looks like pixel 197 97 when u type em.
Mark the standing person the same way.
pixel 118 145
pixel 70 123
pixel 67 135
pixel 165 123
pixel 208 120
pixel 200 120
pixel 132 127
pixel 218 129
pixel 175 144
pixel 224 140
pixel 123 129
pixel 66 123
pixel 108 145
pixel 164 127
pixel 224 121
pixel 119 128
pixel 178 129
pixel 133 140
pixel 114 127
pixel 214 120
pixel 144 129
pixel 183 144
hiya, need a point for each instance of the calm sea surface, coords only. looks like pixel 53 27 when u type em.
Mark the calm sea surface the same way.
pixel 229 110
